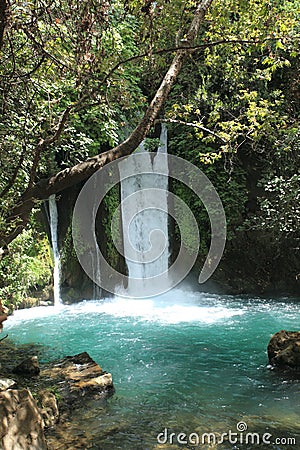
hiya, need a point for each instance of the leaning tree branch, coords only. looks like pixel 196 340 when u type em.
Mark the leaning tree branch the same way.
pixel 68 177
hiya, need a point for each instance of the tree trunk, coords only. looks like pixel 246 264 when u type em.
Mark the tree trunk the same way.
pixel 70 176
pixel 3 19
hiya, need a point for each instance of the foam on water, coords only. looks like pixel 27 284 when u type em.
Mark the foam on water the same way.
pixel 151 311
pixel 173 307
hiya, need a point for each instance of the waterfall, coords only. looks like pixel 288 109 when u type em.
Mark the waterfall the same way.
pixel 53 213
pixel 95 258
pixel 143 221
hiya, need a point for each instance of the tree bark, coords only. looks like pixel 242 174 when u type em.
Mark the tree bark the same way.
pixel 19 216
pixel 3 19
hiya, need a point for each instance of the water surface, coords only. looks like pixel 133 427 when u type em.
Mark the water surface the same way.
pixel 185 361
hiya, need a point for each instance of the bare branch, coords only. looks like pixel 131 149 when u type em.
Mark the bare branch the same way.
pixel 192 124
pixel 41 47
pixel 15 173
pixel 60 126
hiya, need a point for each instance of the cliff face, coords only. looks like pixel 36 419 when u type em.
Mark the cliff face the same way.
pixel 253 263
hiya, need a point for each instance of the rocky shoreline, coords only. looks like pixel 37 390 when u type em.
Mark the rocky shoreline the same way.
pixel 38 402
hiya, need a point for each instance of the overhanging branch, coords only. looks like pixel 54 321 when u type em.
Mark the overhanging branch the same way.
pixel 44 188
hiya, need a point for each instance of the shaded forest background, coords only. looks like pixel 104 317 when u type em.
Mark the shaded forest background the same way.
pixel 77 77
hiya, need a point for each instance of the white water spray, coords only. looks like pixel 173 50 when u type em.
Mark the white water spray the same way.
pixel 53 213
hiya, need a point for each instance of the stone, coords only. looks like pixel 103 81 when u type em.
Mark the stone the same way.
pixel 6 383
pixel 284 350
pixel 29 367
pixel 48 407
pixel 79 376
pixel 45 303
pixel 21 423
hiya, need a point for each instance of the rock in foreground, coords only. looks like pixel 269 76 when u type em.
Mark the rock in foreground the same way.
pixel 64 391
pixel 284 350
pixel 21 423
pixel 79 376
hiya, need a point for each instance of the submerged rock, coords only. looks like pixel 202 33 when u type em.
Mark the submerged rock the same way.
pixel 81 386
pixel 28 367
pixel 284 350
pixel 21 423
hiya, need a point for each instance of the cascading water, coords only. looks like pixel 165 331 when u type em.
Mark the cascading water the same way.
pixel 96 272
pixel 53 213
pixel 139 224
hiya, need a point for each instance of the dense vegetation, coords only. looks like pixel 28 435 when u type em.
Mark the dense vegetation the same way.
pixel 77 77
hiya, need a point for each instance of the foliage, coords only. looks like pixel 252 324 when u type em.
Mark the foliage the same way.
pixel 67 251
pixel 231 189
pixel 27 267
pixel 279 211
pixel 54 58
pixel 241 107
pixel 282 211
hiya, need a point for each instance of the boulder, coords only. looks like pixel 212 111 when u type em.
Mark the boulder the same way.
pixel 79 376
pixel 284 350
pixel 28 368
pixel 21 423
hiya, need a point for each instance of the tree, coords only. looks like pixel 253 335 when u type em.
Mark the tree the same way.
pixel 39 26
pixel 67 63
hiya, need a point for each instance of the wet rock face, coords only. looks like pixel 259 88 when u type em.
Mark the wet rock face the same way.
pixel 65 392
pixel 284 350
pixel 21 423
